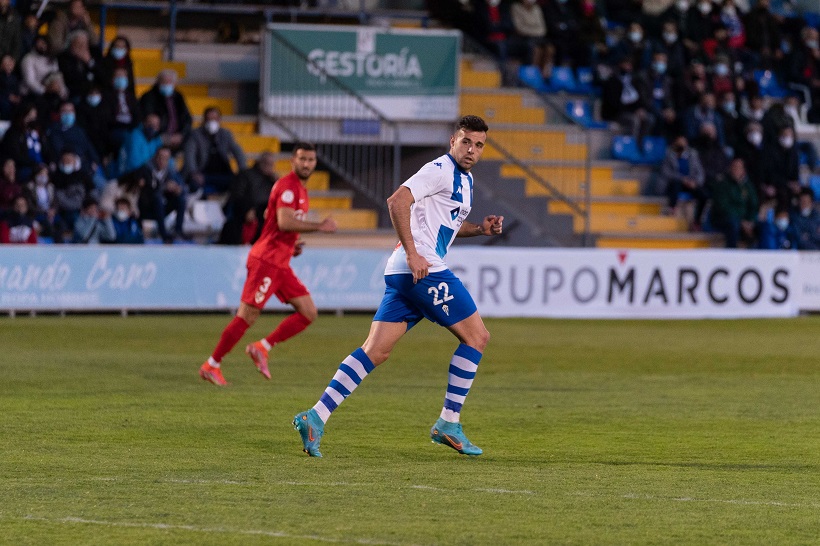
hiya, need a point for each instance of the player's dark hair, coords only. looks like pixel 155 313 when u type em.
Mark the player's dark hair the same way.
pixel 306 146
pixel 473 124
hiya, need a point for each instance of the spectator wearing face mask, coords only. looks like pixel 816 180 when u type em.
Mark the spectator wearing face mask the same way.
pixel 731 18
pixel 723 78
pixel 126 224
pixel 754 108
pixel 733 122
pixel 208 154
pixel 776 230
pixel 18 227
pixel 700 25
pixel 122 110
pixel 780 169
pixel 634 46
pixel 677 15
pixel 118 56
pixel 660 86
pixel 164 100
pixel 92 118
pixel 750 150
pixel 807 222
pixel 670 44
pixel 67 133
pixel 140 145
pixel 72 185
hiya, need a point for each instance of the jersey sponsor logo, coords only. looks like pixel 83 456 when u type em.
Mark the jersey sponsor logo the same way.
pixel 288 197
pixel 454 213
pixel 438 164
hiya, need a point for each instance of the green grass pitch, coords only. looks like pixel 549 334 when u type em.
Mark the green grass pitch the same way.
pixel 594 432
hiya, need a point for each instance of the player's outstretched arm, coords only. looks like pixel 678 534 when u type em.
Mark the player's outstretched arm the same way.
pixel 287 221
pixel 492 225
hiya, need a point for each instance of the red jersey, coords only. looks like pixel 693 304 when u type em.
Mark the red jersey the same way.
pixel 275 247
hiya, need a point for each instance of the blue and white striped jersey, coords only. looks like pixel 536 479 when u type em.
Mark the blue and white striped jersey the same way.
pixel 443 195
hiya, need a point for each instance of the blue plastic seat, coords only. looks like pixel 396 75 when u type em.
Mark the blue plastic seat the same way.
pixel 814 184
pixel 581 111
pixel 585 80
pixel 531 77
pixel 625 148
pixel 768 84
pixel 653 149
pixel 563 79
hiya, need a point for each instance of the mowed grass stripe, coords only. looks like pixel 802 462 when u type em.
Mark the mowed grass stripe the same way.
pixel 638 432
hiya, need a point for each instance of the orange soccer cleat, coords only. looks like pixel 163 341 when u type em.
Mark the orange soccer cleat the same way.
pixel 214 375
pixel 259 355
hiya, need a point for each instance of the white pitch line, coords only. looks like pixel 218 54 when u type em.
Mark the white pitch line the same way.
pixel 741 502
pixel 195 529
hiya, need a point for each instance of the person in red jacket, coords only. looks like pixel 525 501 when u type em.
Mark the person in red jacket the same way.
pixel 18 226
pixel 269 271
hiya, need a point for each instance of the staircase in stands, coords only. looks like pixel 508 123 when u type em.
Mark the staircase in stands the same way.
pixel 621 216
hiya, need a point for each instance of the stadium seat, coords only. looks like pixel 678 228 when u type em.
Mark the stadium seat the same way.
pixel 581 111
pixel 531 77
pixel 653 149
pixel 563 79
pixel 585 80
pixel 625 148
pixel 814 184
pixel 768 84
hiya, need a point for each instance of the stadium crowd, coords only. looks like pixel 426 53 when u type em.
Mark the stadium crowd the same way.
pixel 85 160
pixel 727 84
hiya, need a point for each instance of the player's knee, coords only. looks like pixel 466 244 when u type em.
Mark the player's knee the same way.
pixel 376 355
pixel 309 314
pixel 480 339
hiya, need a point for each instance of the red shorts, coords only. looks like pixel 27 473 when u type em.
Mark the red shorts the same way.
pixel 265 280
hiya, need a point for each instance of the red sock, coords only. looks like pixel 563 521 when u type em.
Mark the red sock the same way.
pixel 231 335
pixel 288 328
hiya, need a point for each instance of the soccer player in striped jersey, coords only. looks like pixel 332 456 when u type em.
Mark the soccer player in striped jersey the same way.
pixel 428 212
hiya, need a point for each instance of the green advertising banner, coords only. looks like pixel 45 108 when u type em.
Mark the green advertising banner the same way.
pixel 323 70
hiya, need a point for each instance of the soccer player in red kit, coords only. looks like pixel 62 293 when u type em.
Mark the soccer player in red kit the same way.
pixel 269 271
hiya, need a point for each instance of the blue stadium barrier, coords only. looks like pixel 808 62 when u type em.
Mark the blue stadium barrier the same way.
pixel 651 151
pixel 581 111
pixel 812 19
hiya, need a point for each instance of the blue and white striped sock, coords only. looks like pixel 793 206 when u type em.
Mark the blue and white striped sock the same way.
pixel 352 370
pixel 463 368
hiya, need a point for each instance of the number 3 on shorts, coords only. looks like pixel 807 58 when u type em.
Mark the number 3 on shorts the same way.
pixel 435 291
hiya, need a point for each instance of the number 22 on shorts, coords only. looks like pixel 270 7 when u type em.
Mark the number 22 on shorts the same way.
pixel 443 287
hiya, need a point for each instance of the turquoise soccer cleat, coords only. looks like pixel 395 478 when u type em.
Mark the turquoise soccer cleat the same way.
pixel 310 428
pixel 450 434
